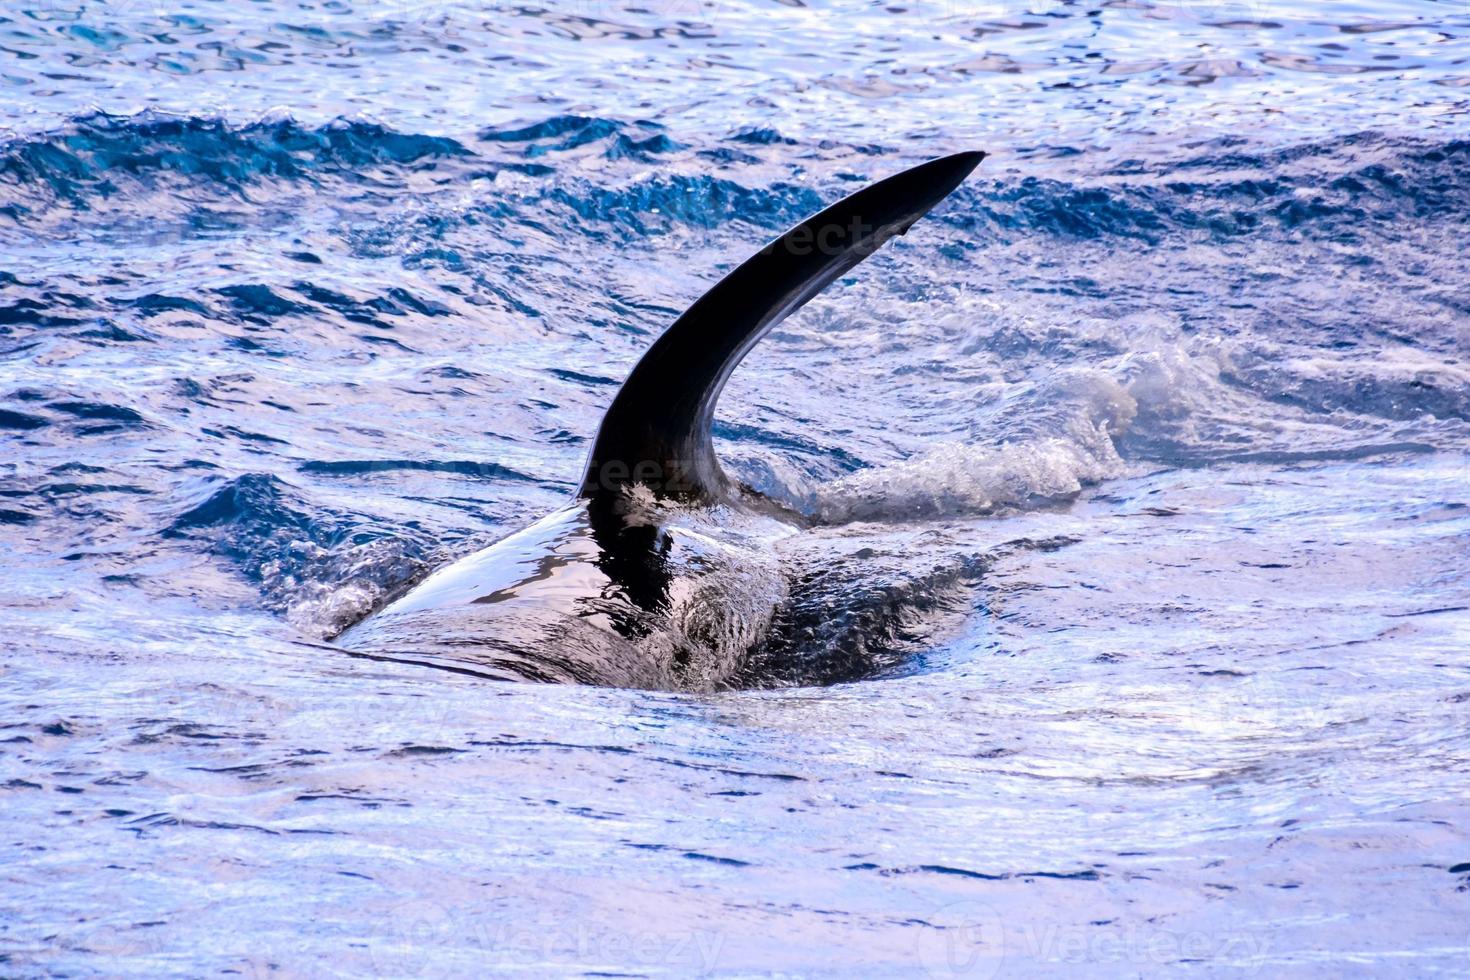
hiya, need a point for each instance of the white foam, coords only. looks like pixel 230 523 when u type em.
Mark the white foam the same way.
pixel 1067 444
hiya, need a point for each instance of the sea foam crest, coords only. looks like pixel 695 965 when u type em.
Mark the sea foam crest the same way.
pixel 1055 460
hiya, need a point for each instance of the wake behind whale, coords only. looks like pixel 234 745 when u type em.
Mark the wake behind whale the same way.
pixel 662 572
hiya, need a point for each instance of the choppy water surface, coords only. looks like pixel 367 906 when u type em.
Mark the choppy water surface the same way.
pixel 1140 467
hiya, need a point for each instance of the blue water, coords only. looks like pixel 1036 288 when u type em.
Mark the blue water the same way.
pixel 1139 472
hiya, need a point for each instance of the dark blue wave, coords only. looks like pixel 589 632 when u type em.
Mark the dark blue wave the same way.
pixel 1238 194
pixel 1338 188
pixel 275 537
pixel 89 158
pixel 464 467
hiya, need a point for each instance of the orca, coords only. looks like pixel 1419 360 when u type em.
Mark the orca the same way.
pixel 660 572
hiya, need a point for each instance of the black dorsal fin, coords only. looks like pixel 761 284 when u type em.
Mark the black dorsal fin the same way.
pixel 657 431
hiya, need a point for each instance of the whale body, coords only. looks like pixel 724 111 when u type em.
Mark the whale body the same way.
pixel 661 571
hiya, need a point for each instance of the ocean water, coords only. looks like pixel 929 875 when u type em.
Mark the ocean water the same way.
pixel 1140 473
